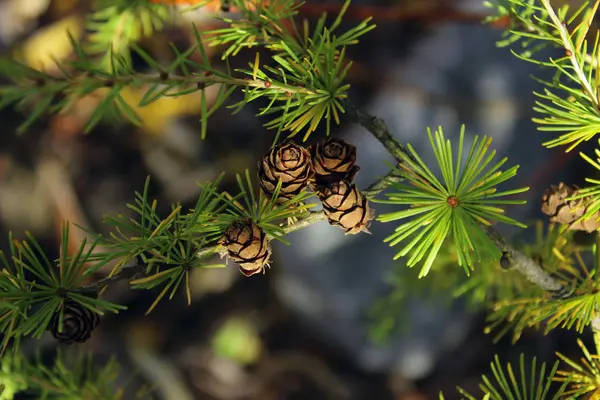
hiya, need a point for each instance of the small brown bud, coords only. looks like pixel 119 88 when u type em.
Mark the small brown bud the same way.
pixel 505 261
pixel 452 201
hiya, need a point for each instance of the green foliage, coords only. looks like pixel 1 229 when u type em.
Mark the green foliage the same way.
pixel 148 233
pixel 301 86
pixel 116 24
pixel 569 104
pixel 521 16
pixel 584 377
pixel 165 250
pixel 304 86
pixel 259 25
pixel 310 63
pixel 34 287
pixel 71 377
pixel 47 94
pixel 538 382
pixel 169 247
pixel 263 210
pixel 565 261
pixel 533 383
pixel 590 193
pixel 454 208
pixel 445 285
pixel 489 287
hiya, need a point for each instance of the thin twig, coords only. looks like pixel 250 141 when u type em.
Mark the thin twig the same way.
pixel 133 271
pixel 379 129
pixel 571 53
pixel 392 177
pixel 525 265
pixel 201 80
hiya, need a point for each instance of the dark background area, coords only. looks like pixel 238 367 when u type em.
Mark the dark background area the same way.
pixel 300 330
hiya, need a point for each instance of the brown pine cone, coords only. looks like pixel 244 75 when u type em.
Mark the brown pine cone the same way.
pixel 333 161
pixel 560 210
pixel 247 245
pixel 346 207
pixel 288 162
pixel 78 323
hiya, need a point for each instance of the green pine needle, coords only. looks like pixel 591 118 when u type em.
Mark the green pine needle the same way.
pixel 116 24
pixel 532 382
pixel 72 375
pixel 584 376
pixel 168 246
pixel 559 256
pixel 569 104
pixel 262 209
pixel 451 208
pixel 591 194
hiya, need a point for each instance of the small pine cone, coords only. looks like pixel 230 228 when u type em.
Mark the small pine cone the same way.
pixel 247 245
pixel 333 161
pixel 78 323
pixel 560 210
pixel 346 207
pixel 290 163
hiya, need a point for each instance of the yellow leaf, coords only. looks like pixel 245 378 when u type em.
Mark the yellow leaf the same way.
pixel 50 43
pixel 155 116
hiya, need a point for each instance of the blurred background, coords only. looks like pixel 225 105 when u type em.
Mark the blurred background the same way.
pixel 324 322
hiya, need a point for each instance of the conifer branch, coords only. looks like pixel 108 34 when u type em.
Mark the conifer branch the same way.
pixel 129 272
pixel 138 270
pixel 525 265
pixel 379 129
pixel 66 83
pixel 517 260
pixel 571 52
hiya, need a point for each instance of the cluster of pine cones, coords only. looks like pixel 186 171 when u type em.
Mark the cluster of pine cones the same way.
pixel 327 168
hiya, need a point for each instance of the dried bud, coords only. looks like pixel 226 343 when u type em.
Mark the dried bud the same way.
pixel 290 163
pixel 333 160
pixel 247 245
pixel 560 210
pixel 346 207
pixel 78 323
pixel 505 260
